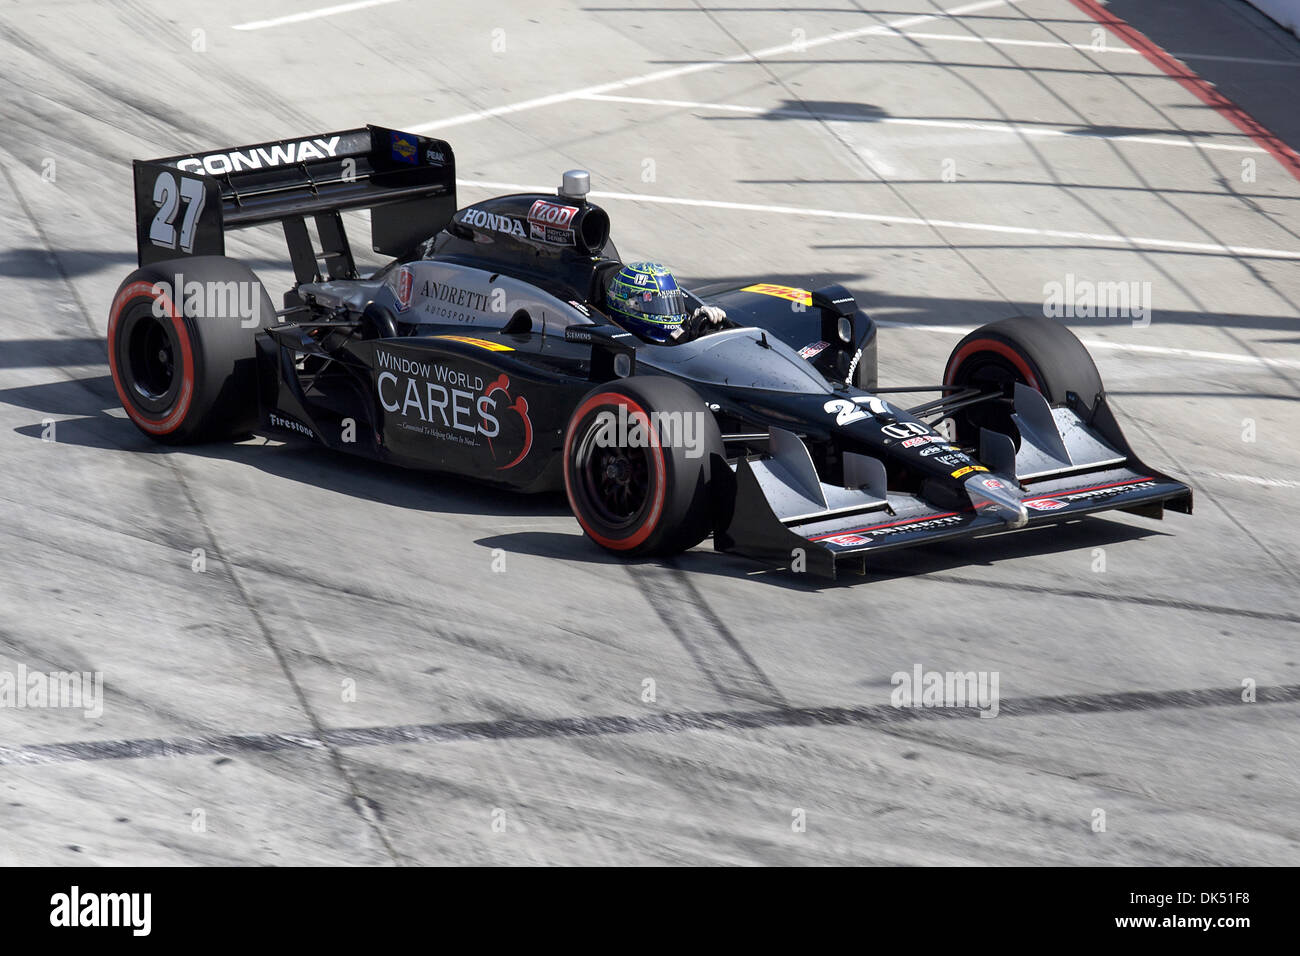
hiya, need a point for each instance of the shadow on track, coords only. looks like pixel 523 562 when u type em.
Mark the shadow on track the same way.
pixel 1080 535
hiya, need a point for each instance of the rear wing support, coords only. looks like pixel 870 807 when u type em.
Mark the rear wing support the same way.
pixel 184 204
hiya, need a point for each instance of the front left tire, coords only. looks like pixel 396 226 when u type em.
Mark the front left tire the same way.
pixel 647 490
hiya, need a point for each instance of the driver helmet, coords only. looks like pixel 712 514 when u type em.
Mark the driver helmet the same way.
pixel 645 299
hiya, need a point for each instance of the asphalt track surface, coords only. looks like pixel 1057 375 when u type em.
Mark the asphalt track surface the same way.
pixel 351 682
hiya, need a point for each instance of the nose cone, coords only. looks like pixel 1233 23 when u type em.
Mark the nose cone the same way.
pixel 998 496
pixel 575 184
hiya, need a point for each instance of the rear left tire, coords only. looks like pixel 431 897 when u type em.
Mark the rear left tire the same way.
pixel 184 376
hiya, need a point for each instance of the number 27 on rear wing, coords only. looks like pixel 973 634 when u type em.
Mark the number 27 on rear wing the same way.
pixel 184 204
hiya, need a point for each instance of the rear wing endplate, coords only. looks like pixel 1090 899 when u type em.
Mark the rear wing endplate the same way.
pixel 184 204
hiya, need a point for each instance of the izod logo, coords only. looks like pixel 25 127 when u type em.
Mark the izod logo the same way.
pixel 546 213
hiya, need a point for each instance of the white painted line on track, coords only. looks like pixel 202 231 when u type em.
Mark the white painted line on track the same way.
pixel 1104 344
pixel 1253 479
pixel 689 68
pixel 971 126
pixel 1141 242
pixel 311 14
pixel 1195 354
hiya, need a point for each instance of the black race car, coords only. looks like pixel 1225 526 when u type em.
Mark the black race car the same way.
pixel 482 349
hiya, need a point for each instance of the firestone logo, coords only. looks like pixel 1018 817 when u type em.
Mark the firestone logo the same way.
pixel 290 424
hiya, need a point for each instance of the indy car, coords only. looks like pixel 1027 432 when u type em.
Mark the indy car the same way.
pixel 484 349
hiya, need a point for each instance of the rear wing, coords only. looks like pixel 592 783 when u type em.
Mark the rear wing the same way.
pixel 184 204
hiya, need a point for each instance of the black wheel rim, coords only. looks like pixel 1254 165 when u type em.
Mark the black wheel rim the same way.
pixel 613 481
pixel 150 359
pixel 988 373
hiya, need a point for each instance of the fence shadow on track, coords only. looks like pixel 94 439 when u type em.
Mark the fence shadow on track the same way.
pixel 965 314
pixel 53 353
pixel 33 262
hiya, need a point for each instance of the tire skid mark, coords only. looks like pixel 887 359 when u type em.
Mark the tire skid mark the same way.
pixel 1170 603
pixel 734 674
pixel 878 715
pixel 359 802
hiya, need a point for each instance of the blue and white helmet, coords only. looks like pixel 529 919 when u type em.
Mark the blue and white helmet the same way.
pixel 644 298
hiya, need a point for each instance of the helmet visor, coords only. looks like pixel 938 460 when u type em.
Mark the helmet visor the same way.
pixel 652 303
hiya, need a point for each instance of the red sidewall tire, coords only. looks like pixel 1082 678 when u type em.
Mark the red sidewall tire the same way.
pixel 129 296
pixel 653 511
pixel 184 377
pixel 676 508
pixel 1034 350
pixel 974 346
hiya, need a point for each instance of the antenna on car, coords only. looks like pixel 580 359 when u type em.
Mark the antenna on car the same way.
pixel 575 184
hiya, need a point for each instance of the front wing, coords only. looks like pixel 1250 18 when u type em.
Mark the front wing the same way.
pixel 828 546
pixel 1070 461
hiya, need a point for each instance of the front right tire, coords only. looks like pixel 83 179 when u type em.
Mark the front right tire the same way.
pixel 1029 349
